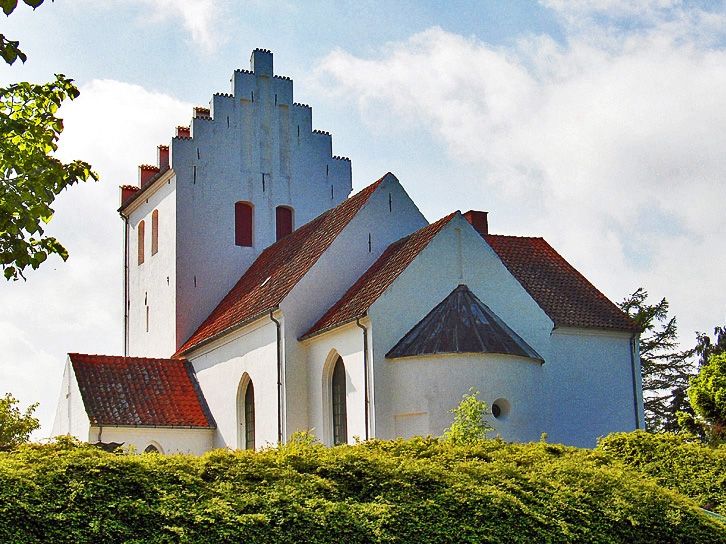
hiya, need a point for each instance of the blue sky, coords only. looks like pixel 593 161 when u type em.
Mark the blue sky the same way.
pixel 598 125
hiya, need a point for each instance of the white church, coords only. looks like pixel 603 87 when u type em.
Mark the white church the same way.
pixel 262 298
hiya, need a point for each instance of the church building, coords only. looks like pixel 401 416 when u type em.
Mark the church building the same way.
pixel 261 298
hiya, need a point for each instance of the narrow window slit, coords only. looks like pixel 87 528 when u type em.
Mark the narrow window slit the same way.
pixel 197 153
pixel 194 175
pixel 369 242
pixel 228 121
pixel 390 202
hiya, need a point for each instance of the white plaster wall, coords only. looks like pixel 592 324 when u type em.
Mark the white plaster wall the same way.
pixel 192 441
pixel 220 367
pixel 153 283
pixel 322 351
pixel 253 133
pixel 426 389
pixel 590 384
pixel 389 215
pixel 70 415
pixel 435 272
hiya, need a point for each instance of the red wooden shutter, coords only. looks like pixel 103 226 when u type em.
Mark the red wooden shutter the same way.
pixel 243 224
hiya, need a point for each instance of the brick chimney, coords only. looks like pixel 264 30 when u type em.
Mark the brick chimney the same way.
pixel 146 172
pixel 162 156
pixel 127 191
pixel 183 132
pixel 478 220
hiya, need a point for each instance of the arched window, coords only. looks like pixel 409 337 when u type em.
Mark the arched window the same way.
pixel 154 232
pixel 243 224
pixel 283 221
pixel 340 412
pixel 250 416
pixel 140 243
pixel 151 448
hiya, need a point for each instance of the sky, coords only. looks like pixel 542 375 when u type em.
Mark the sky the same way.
pixel 599 125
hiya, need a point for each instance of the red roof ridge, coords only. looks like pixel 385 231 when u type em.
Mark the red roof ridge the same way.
pixel 123 357
pixel 284 263
pixel 374 281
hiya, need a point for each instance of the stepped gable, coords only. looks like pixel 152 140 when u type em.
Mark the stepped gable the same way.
pixel 461 323
pixel 277 270
pixel 139 391
pixel 371 285
pixel 564 294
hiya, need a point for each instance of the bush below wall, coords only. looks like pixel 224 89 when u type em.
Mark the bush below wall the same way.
pixel 677 462
pixel 420 490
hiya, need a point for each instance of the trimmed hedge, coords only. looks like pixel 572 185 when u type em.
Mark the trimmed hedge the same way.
pixel 677 462
pixel 420 490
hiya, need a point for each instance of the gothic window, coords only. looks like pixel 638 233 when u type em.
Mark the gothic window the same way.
pixel 283 221
pixel 250 417
pixel 340 415
pixel 243 224
pixel 140 234
pixel 154 232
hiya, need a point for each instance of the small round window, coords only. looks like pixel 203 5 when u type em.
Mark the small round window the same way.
pixel 500 408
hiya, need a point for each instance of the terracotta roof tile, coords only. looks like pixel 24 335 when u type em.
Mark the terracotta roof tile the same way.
pixel 562 292
pixel 371 285
pixel 140 391
pixel 277 270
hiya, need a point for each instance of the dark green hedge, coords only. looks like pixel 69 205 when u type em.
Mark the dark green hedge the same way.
pixel 418 491
pixel 680 463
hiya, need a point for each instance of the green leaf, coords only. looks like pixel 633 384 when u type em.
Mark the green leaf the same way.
pixel 8 6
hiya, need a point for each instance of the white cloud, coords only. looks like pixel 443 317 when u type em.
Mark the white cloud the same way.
pixel 200 17
pixel 77 305
pixel 610 148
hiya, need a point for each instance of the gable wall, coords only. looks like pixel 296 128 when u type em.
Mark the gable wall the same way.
pixel 70 415
pixel 153 283
pixel 405 388
pixel 338 268
pixel 256 132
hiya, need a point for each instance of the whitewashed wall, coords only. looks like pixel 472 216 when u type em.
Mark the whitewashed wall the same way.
pixel 168 441
pixel 70 416
pixel 253 133
pixel 153 283
pixel 220 367
pixel 322 352
pixel 389 215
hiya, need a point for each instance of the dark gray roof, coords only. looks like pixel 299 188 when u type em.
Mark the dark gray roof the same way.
pixel 461 323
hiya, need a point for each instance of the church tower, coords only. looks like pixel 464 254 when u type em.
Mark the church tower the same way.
pixel 247 171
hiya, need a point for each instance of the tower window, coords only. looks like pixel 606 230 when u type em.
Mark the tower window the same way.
pixel 140 234
pixel 243 224
pixel 283 221
pixel 154 232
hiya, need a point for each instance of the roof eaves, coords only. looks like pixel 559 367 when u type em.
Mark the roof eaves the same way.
pixel 332 326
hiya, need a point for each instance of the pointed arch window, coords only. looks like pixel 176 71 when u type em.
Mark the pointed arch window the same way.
pixel 140 241
pixel 283 221
pixel 154 232
pixel 339 408
pixel 250 416
pixel 243 224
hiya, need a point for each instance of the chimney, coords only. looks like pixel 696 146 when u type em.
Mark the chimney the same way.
pixel 183 132
pixel 146 172
pixel 200 111
pixel 478 220
pixel 162 156
pixel 127 191
pixel 261 62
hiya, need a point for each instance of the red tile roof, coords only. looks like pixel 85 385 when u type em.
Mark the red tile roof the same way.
pixel 371 285
pixel 277 270
pixel 140 391
pixel 561 291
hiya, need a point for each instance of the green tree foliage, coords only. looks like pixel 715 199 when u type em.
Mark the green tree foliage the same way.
pixel 665 369
pixel 31 176
pixel 9 49
pixel 676 461
pixel 470 420
pixel 419 490
pixel 707 394
pixel 15 426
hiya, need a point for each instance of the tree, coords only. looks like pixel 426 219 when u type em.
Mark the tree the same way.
pixel 707 394
pixel 665 369
pixel 31 176
pixel 15 426
pixel 470 420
